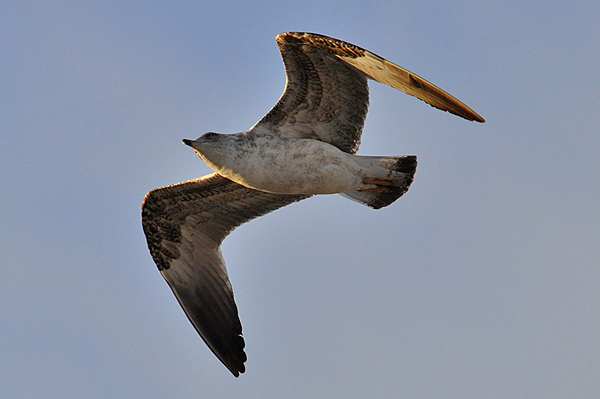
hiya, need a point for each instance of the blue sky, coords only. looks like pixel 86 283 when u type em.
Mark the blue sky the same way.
pixel 481 282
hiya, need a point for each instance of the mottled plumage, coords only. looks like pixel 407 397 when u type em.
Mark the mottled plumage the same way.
pixel 305 145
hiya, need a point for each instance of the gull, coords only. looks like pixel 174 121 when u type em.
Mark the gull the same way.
pixel 305 145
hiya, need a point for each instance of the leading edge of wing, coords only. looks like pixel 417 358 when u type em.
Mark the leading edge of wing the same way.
pixel 388 73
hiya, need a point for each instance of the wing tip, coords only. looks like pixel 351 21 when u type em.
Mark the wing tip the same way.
pixel 236 371
pixel 472 116
pixel 235 364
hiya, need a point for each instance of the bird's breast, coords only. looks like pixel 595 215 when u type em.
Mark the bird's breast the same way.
pixel 292 166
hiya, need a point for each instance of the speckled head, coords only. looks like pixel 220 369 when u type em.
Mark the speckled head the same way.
pixel 211 147
pixel 217 150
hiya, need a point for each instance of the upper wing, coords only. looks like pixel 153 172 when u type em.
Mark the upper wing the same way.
pixel 326 93
pixel 393 75
pixel 184 226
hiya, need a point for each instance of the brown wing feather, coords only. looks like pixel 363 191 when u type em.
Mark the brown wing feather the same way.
pixel 387 72
pixel 326 94
pixel 325 98
pixel 184 226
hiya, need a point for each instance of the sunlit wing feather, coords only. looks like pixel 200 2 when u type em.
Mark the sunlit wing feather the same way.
pixel 326 95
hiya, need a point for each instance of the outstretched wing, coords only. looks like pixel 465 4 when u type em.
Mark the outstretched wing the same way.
pixel 184 226
pixel 326 94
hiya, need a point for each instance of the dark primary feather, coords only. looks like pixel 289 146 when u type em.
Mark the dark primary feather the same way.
pixel 184 226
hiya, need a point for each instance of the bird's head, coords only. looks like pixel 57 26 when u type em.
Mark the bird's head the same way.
pixel 213 148
pixel 208 145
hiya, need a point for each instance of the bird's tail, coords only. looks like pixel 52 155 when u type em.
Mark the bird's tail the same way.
pixel 399 174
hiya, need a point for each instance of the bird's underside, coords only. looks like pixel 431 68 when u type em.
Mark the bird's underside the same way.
pixel 325 99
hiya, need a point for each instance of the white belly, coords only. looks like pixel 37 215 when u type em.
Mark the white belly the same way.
pixel 296 166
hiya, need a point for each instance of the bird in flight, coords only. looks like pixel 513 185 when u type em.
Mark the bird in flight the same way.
pixel 305 145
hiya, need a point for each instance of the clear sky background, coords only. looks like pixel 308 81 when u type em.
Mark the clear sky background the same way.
pixel 482 282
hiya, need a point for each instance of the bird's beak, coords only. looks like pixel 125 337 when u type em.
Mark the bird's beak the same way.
pixel 189 142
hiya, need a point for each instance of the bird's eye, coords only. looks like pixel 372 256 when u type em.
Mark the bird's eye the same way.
pixel 210 135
